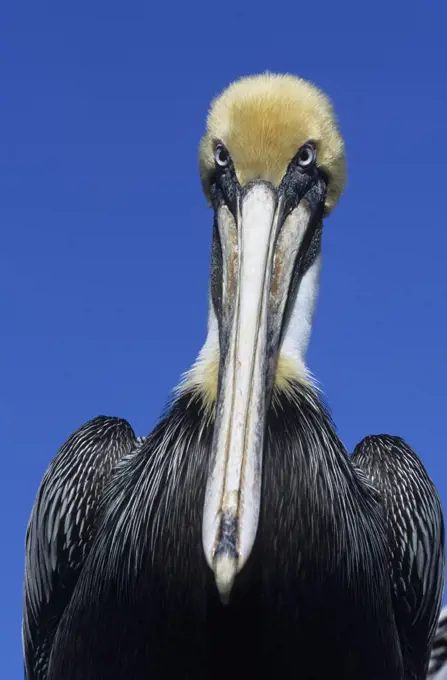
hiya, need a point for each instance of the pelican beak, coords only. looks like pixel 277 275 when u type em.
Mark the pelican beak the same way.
pixel 261 243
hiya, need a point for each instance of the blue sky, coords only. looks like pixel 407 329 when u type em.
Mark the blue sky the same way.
pixel 104 254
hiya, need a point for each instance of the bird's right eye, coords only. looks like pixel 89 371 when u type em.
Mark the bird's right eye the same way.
pixel 307 155
pixel 221 156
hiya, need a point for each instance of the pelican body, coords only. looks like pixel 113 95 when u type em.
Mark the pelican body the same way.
pixel 239 538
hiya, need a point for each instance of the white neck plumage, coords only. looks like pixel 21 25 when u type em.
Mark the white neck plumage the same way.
pixel 202 377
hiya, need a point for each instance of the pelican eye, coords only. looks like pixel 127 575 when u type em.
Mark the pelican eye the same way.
pixel 221 156
pixel 306 156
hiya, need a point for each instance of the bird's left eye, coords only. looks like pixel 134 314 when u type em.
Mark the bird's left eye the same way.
pixel 306 156
pixel 221 156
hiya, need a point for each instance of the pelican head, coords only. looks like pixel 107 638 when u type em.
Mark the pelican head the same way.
pixel 272 166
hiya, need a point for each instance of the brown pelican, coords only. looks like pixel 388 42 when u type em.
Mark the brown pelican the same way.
pixel 239 539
